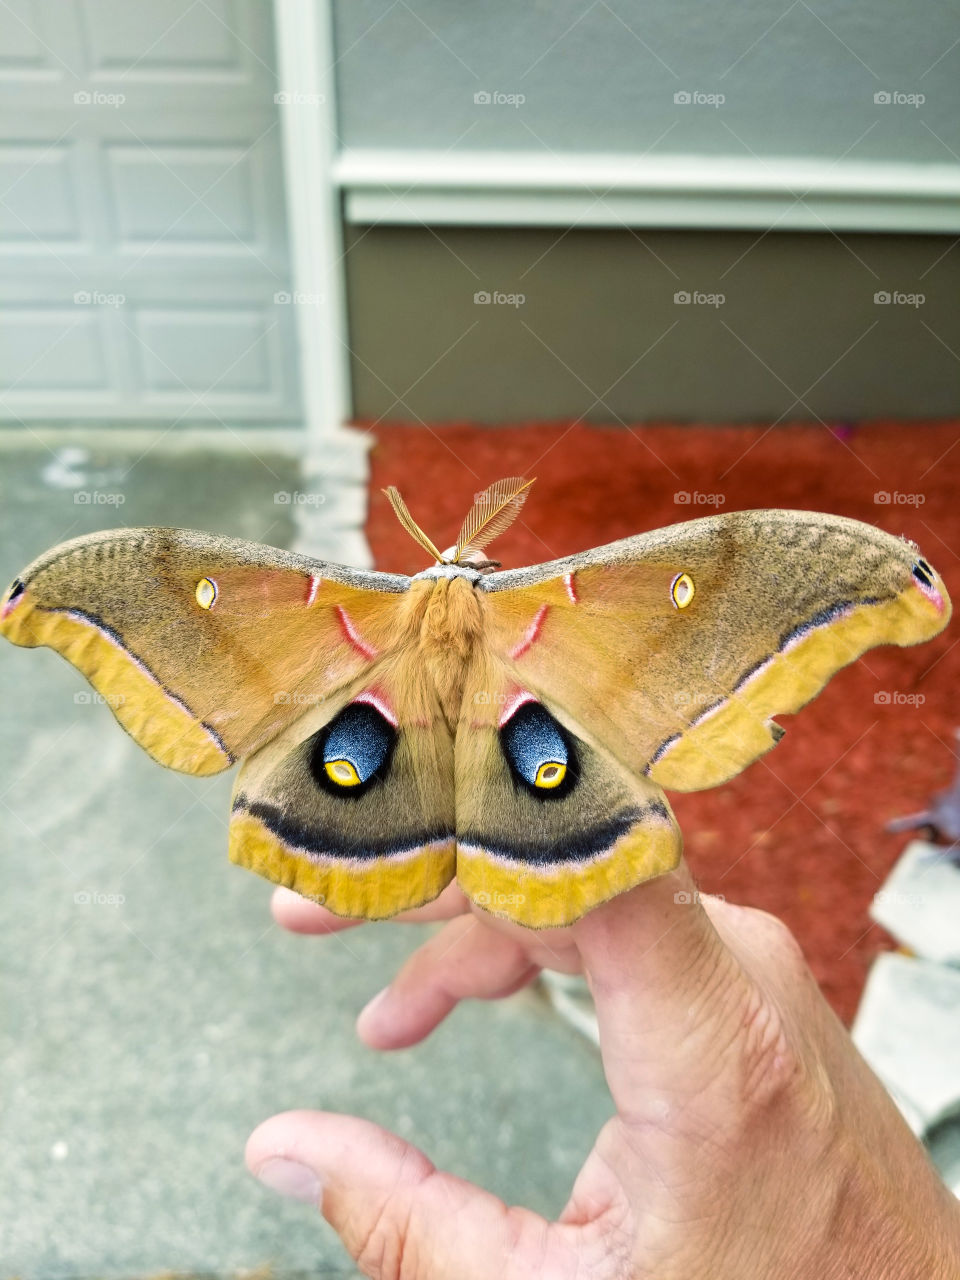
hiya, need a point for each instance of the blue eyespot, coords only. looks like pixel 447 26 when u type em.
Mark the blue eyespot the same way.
pixel 353 751
pixel 539 751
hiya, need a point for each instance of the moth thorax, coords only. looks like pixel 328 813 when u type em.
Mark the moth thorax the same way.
pixel 475 559
pixel 453 619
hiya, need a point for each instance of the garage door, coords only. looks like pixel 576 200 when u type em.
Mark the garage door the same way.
pixel 143 258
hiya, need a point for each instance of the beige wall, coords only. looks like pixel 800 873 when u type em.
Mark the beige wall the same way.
pixel 798 320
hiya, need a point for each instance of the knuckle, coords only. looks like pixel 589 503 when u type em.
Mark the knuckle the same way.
pixel 779 933
pixel 782 951
pixel 769 1062
pixel 380 1250
pixel 782 1079
pixel 384 1242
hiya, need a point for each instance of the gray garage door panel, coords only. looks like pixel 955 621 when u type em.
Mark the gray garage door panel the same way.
pixel 142 230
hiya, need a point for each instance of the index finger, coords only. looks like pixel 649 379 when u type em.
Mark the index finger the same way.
pixel 300 915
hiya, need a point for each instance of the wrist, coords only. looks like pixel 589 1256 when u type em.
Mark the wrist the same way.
pixel 891 1221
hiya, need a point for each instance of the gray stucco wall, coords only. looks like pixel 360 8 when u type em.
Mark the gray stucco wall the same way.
pixel 798 79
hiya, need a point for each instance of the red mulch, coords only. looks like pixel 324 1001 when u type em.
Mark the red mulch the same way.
pixel 799 833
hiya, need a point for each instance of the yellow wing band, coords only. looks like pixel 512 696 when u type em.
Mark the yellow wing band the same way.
pixel 162 724
pixel 733 734
pixel 372 889
pixel 548 897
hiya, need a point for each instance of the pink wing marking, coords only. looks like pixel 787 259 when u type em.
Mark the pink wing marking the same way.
pixel 353 635
pixel 531 633
pixel 514 701
pixel 377 699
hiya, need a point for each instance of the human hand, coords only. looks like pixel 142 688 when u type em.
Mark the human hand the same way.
pixel 750 1138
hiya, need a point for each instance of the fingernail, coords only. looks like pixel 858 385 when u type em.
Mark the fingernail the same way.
pixel 295 1181
pixel 373 1004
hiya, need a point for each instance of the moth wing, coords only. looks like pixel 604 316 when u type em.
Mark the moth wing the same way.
pixel 548 824
pixel 353 805
pixel 204 647
pixel 675 649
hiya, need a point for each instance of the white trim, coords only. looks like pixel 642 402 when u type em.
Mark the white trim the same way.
pixel 305 74
pixel 43 437
pixel 345 453
pixel 488 188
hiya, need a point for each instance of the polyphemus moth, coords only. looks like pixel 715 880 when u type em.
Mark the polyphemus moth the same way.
pixel 514 729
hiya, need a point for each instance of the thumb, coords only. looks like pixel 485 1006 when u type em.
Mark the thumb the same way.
pixel 395 1212
pixel 666 987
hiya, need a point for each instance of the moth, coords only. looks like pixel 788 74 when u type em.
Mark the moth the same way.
pixel 514 728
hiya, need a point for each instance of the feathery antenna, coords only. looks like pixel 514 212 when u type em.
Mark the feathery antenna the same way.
pixel 493 512
pixel 408 522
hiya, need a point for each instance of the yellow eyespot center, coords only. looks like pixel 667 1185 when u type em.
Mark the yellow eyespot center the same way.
pixel 551 774
pixel 342 773
pixel 682 590
pixel 206 593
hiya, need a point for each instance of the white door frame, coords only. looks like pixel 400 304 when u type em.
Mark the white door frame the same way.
pixel 306 97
